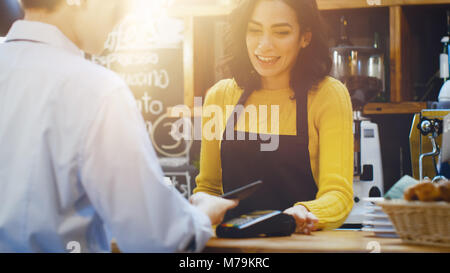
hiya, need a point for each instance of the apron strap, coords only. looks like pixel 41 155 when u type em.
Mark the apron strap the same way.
pixel 242 99
pixel 302 117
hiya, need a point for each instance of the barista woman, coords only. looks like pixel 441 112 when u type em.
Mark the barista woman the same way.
pixel 279 56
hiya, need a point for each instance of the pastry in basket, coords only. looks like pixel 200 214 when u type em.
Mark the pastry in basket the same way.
pixel 425 191
pixel 428 192
pixel 444 190
pixel 410 194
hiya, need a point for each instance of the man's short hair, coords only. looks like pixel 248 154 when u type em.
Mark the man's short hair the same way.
pixel 41 4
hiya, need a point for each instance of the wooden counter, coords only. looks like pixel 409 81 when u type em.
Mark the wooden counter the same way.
pixel 320 241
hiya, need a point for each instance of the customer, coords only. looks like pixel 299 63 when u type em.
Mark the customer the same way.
pixel 74 153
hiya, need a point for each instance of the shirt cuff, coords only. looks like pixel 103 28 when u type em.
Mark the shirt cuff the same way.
pixel 203 232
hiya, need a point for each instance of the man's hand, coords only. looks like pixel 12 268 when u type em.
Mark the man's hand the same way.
pixel 304 219
pixel 214 207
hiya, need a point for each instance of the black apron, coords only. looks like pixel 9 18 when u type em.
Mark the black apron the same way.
pixel 286 172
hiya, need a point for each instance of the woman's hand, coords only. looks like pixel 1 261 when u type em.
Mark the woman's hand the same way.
pixel 213 206
pixel 304 219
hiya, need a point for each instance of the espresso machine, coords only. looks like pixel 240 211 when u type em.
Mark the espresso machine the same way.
pixel 429 138
pixel 361 69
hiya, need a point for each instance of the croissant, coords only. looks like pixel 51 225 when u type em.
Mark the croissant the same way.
pixel 444 190
pixel 425 191
pixel 410 194
pixel 428 192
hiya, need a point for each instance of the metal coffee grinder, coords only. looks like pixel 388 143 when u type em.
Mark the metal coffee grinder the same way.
pixel 361 69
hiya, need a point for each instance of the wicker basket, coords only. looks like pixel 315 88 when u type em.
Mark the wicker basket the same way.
pixel 426 223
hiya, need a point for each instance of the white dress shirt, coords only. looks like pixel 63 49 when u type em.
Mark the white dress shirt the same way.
pixel 75 157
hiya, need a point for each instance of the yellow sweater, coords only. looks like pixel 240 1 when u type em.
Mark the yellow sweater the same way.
pixel 330 121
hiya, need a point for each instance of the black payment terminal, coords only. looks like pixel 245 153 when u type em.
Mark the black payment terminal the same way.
pixel 267 223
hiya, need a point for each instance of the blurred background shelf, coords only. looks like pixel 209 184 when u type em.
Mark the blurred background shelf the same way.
pixel 409 31
pixel 211 8
pixel 351 4
pixel 375 108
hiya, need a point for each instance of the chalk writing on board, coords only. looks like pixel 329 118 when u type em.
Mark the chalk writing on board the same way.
pixel 127 59
pixel 180 147
pixel 146 52
pixel 147 105
pixel 157 78
pixel 134 34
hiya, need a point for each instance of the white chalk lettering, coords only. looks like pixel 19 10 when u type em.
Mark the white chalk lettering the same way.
pixel 148 105
pixel 127 59
pixel 155 78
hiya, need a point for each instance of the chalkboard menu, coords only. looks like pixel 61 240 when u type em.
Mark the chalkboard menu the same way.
pixel 148 55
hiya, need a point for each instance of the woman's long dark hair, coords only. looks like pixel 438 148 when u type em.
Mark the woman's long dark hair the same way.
pixel 313 62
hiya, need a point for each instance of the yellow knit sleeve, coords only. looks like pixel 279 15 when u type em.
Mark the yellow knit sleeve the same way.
pixel 209 180
pixel 332 114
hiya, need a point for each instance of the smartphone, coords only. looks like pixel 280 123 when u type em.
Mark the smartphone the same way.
pixel 243 192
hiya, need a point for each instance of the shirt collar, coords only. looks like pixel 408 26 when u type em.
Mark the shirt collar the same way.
pixel 42 32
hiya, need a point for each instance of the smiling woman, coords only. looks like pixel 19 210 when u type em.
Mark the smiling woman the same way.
pixel 303 24
pixel 278 56
pixel 273 45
